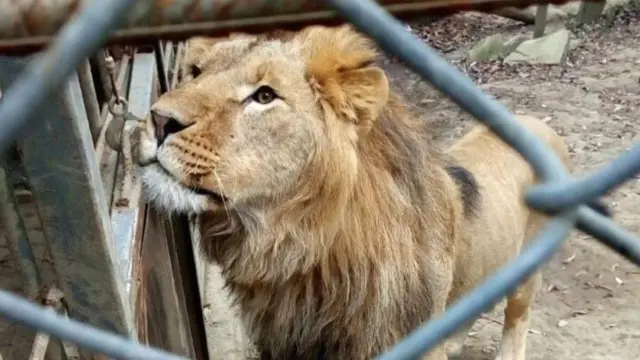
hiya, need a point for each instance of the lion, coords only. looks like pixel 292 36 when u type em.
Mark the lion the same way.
pixel 338 225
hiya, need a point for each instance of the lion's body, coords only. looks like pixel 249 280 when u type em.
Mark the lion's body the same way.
pixel 339 227
pixel 503 220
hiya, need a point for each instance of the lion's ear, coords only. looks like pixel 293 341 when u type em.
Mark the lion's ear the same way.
pixel 197 46
pixel 339 67
pixel 364 92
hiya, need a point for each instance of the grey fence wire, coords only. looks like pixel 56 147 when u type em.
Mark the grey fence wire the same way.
pixel 559 195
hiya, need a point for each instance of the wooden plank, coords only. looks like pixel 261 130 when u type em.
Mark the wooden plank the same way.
pixel 200 262
pixel 162 318
pixel 186 276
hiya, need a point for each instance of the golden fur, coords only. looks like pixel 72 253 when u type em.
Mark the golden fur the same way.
pixel 338 226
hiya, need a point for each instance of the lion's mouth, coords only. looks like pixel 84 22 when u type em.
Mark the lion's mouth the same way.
pixel 210 194
pixel 163 189
pixel 216 197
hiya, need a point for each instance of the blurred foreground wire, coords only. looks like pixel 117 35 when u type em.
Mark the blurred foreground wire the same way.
pixel 80 37
pixel 89 30
pixel 20 310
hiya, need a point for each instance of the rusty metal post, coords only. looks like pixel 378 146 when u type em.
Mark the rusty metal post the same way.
pixel 59 160
pixel 90 99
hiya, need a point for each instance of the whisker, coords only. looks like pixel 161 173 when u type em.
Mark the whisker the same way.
pixel 224 201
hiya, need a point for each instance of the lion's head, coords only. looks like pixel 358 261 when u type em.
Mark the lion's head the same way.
pixel 258 113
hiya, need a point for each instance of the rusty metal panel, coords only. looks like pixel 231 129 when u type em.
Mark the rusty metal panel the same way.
pixel 60 162
pixel 29 24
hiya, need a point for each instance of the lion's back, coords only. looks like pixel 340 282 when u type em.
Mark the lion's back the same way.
pixel 499 229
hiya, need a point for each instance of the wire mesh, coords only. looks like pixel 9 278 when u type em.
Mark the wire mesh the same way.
pixel 83 35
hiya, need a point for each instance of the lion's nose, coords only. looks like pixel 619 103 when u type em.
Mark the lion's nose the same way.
pixel 165 126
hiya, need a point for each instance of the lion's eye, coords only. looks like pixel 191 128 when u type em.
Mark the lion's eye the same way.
pixel 264 95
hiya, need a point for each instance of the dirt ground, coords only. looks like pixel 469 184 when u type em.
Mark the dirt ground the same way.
pixel 587 307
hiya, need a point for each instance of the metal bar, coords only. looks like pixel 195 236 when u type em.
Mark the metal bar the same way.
pixel 179 19
pixel 16 234
pixel 90 99
pixel 142 85
pixel 175 71
pixel 561 195
pixel 71 201
pixel 167 53
pixel 46 74
pixel 127 216
pixel 607 232
pixel 162 73
pixel 168 56
pixel 541 20
pixel 17 309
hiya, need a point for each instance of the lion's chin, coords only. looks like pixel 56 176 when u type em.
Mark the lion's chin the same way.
pixel 168 194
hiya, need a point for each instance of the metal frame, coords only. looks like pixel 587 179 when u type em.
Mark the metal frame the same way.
pixel 73 207
pixel 559 195
pixel 149 254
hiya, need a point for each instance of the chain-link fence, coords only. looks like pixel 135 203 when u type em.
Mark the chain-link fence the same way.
pixel 559 195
